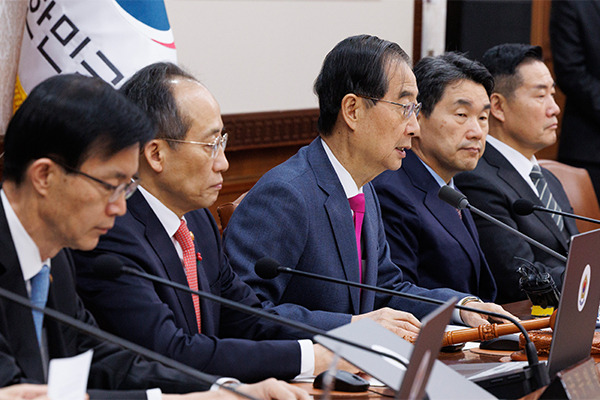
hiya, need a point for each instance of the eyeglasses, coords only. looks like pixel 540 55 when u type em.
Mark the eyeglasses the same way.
pixel 407 109
pixel 127 188
pixel 214 146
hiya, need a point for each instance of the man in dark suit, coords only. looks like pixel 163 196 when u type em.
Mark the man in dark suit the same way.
pixel 574 33
pixel 180 170
pixel 71 153
pixel 435 245
pixel 300 212
pixel 523 121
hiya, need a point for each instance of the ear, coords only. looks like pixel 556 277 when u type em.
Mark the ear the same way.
pixel 498 106
pixel 43 173
pixel 154 153
pixel 351 110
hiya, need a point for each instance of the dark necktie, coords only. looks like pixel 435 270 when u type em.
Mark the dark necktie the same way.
pixel 39 295
pixel 184 238
pixel 545 195
pixel 357 204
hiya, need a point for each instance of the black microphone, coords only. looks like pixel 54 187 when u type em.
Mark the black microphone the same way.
pixel 526 207
pixel 268 268
pixel 459 200
pixel 109 266
pixel 109 337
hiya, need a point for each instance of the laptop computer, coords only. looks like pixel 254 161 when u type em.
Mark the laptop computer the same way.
pixel 425 375
pixel 575 321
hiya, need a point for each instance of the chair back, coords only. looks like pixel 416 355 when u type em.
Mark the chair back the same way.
pixel 226 210
pixel 579 189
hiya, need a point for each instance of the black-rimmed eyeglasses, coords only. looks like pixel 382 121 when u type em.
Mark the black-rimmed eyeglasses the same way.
pixel 127 188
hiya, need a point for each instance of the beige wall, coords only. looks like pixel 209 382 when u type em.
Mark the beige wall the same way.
pixel 264 55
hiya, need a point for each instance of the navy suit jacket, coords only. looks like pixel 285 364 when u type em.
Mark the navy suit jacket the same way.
pixel 427 238
pixel 112 367
pixel 574 33
pixel 163 319
pixel 493 187
pixel 298 214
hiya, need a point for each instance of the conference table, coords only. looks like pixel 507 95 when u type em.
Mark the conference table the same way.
pixel 521 309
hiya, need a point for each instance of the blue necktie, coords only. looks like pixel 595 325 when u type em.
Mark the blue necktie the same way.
pixel 39 294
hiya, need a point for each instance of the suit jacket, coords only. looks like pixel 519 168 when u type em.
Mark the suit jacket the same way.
pixel 20 358
pixel 163 319
pixel 298 214
pixel 493 187
pixel 427 238
pixel 574 33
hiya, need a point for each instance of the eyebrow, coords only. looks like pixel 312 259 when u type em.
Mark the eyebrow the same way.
pixel 406 93
pixel 463 102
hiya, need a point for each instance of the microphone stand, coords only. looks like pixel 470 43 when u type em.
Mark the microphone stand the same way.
pixel 109 337
pixel 566 214
pixel 516 232
pixel 264 314
pixel 539 372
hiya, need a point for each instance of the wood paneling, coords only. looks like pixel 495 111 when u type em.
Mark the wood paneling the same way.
pixel 540 36
pixel 259 142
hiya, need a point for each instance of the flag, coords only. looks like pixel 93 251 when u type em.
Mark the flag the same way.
pixel 110 39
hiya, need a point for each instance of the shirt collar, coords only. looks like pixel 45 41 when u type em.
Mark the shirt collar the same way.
pixel 168 219
pixel 516 159
pixel 438 178
pixel 27 251
pixel 342 173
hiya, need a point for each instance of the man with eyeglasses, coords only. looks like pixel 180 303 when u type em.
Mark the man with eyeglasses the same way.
pixel 71 151
pixel 169 232
pixel 433 243
pixel 317 211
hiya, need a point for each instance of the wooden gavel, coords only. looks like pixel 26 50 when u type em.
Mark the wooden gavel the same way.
pixel 492 331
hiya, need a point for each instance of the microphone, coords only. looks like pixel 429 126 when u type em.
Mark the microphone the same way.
pixel 459 200
pixel 109 337
pixel 268 268
pixel 110 267
pixel 526 207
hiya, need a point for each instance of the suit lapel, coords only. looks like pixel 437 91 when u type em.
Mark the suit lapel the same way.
pixel 21 336
pixel 513 179
pixel 165 251
pixel 445 214
pixel 340 216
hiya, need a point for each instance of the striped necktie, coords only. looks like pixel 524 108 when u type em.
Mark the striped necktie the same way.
pixel 545 195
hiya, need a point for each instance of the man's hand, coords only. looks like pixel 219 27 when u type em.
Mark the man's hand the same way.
pixel 401 323
pixel 24 392
pixel 324 358
pixel 475 319
pixel 269 389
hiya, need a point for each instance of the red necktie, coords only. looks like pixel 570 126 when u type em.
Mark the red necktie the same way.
pixel 184 238
pixel 357 204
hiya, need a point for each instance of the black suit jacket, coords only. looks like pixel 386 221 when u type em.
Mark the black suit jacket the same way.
pixel 163 319
pixel 493 187
pixel 427 238
pixel 575 39
pixel 112 367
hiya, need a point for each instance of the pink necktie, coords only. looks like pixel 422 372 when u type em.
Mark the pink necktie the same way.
pixel 184 237
pixel 357 204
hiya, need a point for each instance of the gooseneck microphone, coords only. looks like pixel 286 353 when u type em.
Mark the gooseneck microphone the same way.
pixel 268 268
pixel 109 337
pixel 526 207
pixel 109 266
pixel 459 200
